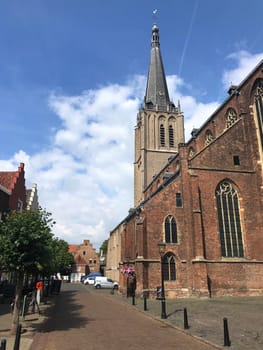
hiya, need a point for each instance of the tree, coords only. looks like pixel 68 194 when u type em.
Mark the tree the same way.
pixel 104 247
pixel 61 260
pixel 25 248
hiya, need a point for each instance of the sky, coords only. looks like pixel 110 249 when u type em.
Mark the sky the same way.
pixel 73 77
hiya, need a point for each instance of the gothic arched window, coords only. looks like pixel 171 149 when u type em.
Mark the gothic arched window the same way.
pixel 170 229
pixel 258 100
pixel 231 117
pixel 169 267
pixel 171 136
pixel 229 220
pixel 162 135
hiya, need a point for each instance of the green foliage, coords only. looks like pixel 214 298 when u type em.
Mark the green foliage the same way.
pixel 25 241
pixel 104 247
pixel 62 259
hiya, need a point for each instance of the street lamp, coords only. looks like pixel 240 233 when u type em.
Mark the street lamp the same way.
pixel 161 246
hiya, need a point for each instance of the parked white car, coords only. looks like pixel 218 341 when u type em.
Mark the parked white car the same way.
pixel 89 280
pixel 104 282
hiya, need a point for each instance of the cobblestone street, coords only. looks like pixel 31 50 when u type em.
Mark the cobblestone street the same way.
pixel 82 317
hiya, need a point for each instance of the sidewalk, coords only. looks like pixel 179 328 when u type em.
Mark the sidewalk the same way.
pixel 205 318
pixel 30 324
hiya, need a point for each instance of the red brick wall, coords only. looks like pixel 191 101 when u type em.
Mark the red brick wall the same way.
pixel 201 270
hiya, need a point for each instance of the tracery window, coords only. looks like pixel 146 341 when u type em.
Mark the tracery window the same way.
pixel 259 108
pixel 208 137
pixel 231 117
pixel 170 230
pixel 229 220
pixel 169 267
pixel 162 135
pixel 191 152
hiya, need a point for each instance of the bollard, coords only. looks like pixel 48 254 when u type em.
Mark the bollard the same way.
pixel 17 339
pixel 3 344
pixel 227 341
pixel 144 303
pixel 186 326
pixel 133 300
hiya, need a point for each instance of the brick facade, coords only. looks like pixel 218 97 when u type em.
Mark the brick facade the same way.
pixel 13 184
pixel 225 154
pixel 86 260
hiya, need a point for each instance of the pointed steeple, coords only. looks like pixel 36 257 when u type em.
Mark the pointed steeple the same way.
pixel 157 96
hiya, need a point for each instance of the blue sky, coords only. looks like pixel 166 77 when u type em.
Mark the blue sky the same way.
pixel 73 75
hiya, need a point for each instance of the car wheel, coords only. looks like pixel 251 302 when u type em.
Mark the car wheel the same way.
pixel 98 286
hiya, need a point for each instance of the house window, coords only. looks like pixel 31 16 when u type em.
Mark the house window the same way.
pixel 171 136
pixel 162 135
pixel 19 206
pixel 231 117
pixel 169 267
pixel 236 160
pixel 229 220
pixel 170 230
pixel 179 201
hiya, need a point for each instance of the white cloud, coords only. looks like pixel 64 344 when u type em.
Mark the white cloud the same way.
pixel 85 177
pixel 244 63
pixel 195 113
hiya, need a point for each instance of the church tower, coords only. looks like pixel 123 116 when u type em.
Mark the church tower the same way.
pixel 160 125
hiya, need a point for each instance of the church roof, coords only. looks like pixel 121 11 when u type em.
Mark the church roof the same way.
pixel 157 96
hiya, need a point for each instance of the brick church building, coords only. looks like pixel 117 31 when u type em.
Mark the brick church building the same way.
pixel 202 199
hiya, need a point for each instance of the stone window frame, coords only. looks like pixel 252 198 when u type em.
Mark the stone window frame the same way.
pixel 170 229
pixel 171 131
pixel 169 267
pixel 191 152
pixel 229 220
pixel 258 103
pixel 208 137
pixel 231 117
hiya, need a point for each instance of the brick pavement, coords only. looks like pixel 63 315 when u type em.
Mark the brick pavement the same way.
pixel 205 318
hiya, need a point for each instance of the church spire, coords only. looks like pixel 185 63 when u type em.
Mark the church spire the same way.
pixel 157 96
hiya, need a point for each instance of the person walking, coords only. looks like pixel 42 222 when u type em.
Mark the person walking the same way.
pixel 39 288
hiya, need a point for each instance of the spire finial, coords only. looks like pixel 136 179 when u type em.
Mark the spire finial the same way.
pixel 155 15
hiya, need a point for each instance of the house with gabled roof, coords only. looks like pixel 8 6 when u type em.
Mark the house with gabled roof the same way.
pixel 13 185
pixel 86 260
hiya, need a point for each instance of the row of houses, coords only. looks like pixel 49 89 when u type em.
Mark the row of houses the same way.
pixel 197 218
pixel 14 196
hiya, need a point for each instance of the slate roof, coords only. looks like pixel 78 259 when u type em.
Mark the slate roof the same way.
pixel 156 90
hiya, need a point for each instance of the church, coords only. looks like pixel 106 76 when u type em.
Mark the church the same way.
pixel 197 223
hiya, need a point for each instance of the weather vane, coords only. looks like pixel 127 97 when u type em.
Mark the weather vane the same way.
pixel 155 15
